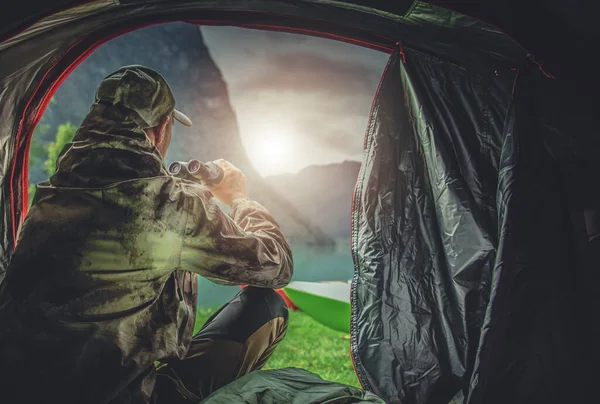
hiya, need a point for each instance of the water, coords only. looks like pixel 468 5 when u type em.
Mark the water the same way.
pixel 310 264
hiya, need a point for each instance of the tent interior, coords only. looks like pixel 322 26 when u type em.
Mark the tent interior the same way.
pixel 476 213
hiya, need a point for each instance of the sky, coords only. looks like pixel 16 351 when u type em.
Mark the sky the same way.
pixel 299 100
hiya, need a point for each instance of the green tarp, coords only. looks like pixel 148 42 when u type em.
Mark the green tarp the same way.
pixel 290 386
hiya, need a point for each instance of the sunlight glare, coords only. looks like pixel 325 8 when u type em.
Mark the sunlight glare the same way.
pixel 273 146
pixel 271 149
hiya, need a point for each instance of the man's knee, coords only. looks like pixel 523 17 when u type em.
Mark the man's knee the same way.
pixel 274 302
pixel 262 342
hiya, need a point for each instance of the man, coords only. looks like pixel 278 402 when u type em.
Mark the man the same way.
pixel 99 301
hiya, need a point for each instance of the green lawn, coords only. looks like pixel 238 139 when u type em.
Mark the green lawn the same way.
pixel 308 345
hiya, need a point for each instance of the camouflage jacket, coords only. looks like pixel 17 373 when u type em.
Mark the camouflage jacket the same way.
pixel 103 280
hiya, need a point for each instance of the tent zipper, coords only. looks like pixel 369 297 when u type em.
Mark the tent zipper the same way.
pixel 362 377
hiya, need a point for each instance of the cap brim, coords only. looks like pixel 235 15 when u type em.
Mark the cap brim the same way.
pixel 182 118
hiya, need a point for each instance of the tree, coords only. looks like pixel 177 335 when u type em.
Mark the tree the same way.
pixel 64 134
pixel 43 156
pixel 38 153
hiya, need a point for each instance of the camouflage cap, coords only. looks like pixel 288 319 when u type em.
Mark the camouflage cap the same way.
pixel 143 91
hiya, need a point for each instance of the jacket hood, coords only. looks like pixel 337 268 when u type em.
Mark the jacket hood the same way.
pixel 107 148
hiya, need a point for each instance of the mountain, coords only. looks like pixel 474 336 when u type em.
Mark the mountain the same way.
pixel 322 193
pixel 178 52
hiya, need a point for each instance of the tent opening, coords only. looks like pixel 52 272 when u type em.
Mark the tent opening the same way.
pixel 289 110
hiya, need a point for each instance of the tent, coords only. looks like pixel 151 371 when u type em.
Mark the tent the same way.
pixel 476 214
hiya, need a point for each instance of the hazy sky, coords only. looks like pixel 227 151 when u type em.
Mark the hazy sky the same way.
pixel 299 100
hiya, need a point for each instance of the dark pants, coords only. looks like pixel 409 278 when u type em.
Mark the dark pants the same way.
pixel 234 341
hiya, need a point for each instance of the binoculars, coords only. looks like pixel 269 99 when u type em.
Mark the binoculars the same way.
pixel 194 170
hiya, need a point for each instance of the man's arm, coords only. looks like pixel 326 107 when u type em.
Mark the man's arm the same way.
pixel 247 248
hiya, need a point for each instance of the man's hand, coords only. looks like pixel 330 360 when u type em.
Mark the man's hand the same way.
pixel 232 186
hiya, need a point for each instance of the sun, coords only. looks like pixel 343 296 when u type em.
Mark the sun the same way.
pixel 271 148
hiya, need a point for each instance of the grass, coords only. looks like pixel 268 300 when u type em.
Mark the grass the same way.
pixel 308 345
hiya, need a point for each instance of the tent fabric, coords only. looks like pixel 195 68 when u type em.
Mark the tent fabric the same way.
pixel 289 385
pixel 425 227
pixel 466 269
pixel 423 26
pixel 528 337
pixel 536 335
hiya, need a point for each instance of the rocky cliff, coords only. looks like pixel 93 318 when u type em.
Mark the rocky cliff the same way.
pixel 323 193
pixel 178 52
